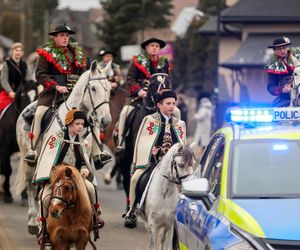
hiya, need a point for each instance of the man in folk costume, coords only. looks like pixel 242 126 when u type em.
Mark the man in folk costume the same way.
pixel 141 69
pixel 280 68
pixel 60 64
pixel 65 147
pixel 156 135
pixel 14 73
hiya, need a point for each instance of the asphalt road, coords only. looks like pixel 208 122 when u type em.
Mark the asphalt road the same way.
pixel 114 236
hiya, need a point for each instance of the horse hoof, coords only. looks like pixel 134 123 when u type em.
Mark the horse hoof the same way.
pixel 119 185
pixel 7 198
pixel 33 230
pixel 24 202
pixel 107 178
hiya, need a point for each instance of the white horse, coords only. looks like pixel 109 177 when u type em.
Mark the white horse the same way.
pixel 91 94
pixel 162 196
pixel 295 92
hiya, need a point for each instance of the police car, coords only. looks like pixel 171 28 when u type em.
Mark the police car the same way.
pixel 246 191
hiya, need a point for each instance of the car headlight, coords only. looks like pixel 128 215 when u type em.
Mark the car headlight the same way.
pixel 248 241
pixel 242 245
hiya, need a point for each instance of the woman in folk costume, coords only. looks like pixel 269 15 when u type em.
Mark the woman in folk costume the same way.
pixel 157 133
pixel 14 73
pixel 65 147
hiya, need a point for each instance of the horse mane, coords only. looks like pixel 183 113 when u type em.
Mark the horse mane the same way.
pixel 185 150
pixel 59 172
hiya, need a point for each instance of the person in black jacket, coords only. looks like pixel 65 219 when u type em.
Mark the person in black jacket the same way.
pixel 14 73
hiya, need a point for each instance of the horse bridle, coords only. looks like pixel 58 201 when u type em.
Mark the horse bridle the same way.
pixel 88 89
pixel 59 196
pixel 178 179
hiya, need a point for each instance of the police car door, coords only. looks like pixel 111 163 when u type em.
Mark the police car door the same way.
pixel 198 210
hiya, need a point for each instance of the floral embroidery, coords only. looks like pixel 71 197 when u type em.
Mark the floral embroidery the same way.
pixel 152 128
pixel 180 132
pixel 53 143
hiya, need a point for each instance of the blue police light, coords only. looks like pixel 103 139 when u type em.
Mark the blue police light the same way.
pixel 264 115
pixel 280 147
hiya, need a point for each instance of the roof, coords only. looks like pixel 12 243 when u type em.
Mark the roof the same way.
pixel 254 51
pixel 275 11
pixel 210 28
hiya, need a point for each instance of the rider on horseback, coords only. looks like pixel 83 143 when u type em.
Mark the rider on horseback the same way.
pixel 139 73
pixel 14 73
pixel 114 76
pixel 280 68
pixel 59 65
pixel 65 147
pixel 157 133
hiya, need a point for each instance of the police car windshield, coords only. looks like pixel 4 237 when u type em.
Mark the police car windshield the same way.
pixel 265 169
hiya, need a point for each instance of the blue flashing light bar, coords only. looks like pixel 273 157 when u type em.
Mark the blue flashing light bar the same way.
pixel 264 115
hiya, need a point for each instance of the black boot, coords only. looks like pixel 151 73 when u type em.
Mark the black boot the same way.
pixel 130 221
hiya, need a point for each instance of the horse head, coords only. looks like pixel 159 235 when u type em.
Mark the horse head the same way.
pixel 25 94
pixel 64 194
pixel 157 82
pixel 92 94
pixel 182 162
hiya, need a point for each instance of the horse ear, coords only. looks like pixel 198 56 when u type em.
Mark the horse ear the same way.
pixel 68 172
pixel 93 66
pixel 107 68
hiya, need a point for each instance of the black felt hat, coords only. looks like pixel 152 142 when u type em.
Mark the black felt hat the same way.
pixel 107 51
pixel 153 40
pixel 61 29
pixel 282 41
pixel 163 94
pixel 74 114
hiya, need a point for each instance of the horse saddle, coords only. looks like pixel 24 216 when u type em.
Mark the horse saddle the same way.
pixel 28 116
pixel 142 184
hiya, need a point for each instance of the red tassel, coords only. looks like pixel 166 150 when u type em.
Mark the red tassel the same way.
pixel 42 219
pixel 31 135
pixel 101 136
pixel 97 205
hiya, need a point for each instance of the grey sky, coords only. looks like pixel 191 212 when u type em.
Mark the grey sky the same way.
pixel 79 4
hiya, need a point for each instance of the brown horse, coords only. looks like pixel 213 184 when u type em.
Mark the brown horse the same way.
pixel 117 101
pixel 70 219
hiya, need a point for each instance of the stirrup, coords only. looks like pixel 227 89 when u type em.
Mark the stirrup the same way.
pixel 105 158
pixel 31 156
pixel 43 238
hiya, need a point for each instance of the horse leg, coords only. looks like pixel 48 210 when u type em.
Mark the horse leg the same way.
pixel 168 238
pixel 153 229
pixel 125 170
pixel 6 186
pixel 32 223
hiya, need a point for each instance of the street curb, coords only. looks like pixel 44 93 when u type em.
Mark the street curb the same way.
pixel 6 242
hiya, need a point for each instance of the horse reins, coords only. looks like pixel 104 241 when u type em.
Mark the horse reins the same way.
pixel 179 178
